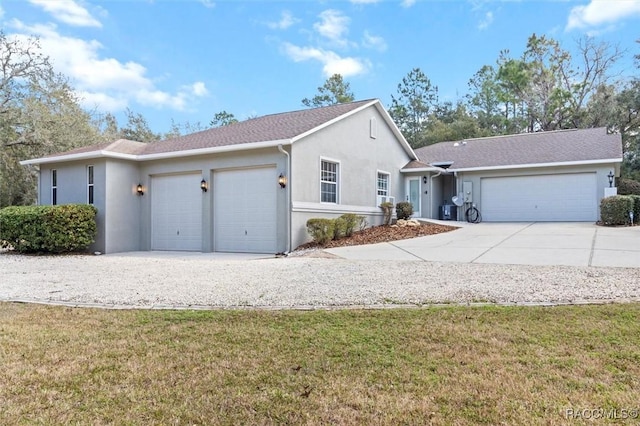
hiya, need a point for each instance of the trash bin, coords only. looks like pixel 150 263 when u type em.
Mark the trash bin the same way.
pixel 448 212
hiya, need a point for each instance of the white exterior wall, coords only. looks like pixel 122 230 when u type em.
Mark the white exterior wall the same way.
pixel 360 157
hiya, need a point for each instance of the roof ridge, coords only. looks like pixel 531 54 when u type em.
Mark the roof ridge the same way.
pixel 363 101
pixel 517 135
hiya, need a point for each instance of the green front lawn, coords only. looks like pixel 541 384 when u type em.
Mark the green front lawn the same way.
pixel 453 365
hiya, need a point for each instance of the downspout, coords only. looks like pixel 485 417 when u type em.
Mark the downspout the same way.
pixel 288 189
pixel 431 192
pixel 457 189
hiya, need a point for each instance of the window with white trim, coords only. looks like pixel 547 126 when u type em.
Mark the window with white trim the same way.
pixel 383 184
pixel 329 181
pixel 54 187
pixel 90 184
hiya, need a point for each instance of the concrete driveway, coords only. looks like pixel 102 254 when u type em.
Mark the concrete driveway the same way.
pixel 538 243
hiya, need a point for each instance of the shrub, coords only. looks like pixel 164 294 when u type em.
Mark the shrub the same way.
pixel 387 210
pixel 628 187
pixel 615 210
pixel 352 222
pixel 339 227
pixel 321 230
pixel 48 229
pixel 404 210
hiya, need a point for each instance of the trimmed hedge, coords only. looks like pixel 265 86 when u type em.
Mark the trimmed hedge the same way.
pixel 353 222
pixel 615 210
pixel 404 210
pixel 324 230
pixel 321 230
pixel 628 187
pixel 48 229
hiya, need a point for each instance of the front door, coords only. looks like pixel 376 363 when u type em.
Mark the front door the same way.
pixel 412 191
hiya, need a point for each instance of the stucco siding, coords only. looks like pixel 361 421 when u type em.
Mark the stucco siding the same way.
pixel 122 216
pixel 360 157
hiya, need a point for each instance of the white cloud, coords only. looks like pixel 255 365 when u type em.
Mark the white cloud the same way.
pixel 364 1
pixel 1 12
pixel 199 89
pixel 602 12
pixel 333 25
pixel 68 11
pixel 104 102
pixel 208 4
pixel 373 42
pixel 486 22
pixel 407 3
pixel 286 20
pixel 105 83
pixel 332 63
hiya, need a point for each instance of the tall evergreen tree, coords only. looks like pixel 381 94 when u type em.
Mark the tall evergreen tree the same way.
pixel 416 99
pixel 334 91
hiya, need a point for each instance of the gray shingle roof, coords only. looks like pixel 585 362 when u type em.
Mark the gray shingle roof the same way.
pixel 528 148
pixel 268 128
pixel 271 127
pixel 121 146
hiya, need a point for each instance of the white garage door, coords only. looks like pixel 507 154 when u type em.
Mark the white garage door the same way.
pixel 547 198
pixel 244 213
pixel 176 212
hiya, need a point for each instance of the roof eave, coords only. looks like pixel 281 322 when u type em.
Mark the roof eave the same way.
pixel 423 169
pixel 80 156
pixel 536 165
pixel 158 156
pixel 213 150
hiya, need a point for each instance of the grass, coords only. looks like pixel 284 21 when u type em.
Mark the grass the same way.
pixel 451 365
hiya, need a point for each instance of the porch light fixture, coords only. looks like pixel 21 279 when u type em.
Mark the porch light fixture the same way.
pixel 282 180
pixel 140 190
pixel 610 176
pixel 203 185
pixel 424 180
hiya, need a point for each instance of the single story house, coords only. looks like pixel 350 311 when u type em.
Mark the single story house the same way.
pixel 545 177
pixel 251 186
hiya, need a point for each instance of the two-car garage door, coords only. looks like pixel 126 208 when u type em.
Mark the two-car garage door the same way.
pixel 544 198
pixel 243 215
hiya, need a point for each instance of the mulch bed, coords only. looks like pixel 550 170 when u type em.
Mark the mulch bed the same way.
pixel 382 233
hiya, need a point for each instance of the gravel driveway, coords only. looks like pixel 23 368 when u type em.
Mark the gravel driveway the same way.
pixel 303 282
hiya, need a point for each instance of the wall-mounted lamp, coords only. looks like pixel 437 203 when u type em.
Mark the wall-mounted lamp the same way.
pixel 282 180
pixel 203 185
pixel 424 180
pixel 610 176
pixel 140 189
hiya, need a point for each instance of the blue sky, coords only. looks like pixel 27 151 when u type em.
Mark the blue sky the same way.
pixel 188 59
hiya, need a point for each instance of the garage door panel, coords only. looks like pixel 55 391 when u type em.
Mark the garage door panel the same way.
pixel 245 210
pixel 176 212
pixel 559 197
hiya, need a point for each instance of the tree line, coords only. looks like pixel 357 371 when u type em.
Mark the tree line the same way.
pixel 546 88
